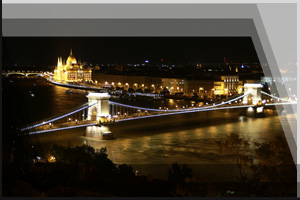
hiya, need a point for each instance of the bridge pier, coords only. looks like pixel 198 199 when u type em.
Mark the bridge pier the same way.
pixel 99 132
pixel 254 111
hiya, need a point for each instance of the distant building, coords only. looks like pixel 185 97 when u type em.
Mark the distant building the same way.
pixel 71 71
pixel 229 84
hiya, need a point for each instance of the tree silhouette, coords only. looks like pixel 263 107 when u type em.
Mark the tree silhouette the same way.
pixel 275 171
pixel 240 149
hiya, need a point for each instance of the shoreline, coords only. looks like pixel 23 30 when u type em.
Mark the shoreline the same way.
pixel 73 86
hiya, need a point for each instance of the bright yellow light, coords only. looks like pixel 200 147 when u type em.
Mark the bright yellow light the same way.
pixel 51 159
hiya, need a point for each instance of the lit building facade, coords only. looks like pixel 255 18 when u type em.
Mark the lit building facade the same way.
pixel 71 71
pixel 228 85
pixel 224 85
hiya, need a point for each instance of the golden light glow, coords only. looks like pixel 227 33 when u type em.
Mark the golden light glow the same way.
pixel 51 158
pixel 71 71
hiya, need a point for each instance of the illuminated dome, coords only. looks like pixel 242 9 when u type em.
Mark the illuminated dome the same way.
pixel 71 59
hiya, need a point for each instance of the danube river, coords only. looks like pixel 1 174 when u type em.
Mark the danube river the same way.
pixel 150 145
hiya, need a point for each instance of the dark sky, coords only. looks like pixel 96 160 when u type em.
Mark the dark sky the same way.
pixel 98 50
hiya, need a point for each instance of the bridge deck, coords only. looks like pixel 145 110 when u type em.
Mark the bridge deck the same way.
pixel 63 125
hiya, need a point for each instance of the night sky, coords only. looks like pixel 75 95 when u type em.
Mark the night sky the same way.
pixel 123 50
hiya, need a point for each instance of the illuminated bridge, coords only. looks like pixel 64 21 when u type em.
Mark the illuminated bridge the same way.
pixel 22 73
pixel 99 112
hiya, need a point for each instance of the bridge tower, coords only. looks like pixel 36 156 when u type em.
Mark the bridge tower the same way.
pixel 95 112
pixel 255 96
pixel 101 108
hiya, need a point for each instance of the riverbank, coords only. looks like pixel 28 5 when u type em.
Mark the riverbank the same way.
pixel 82 87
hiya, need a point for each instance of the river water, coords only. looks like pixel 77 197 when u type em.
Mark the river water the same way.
pixel 149 145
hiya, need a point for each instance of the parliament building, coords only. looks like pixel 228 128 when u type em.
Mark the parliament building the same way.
pixel 71 71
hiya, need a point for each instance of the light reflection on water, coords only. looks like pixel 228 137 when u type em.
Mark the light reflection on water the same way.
pixel 192 146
